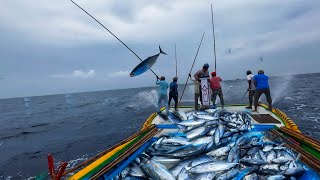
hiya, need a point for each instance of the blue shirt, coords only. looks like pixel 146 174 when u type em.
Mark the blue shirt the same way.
pixel 163 87
pixel 262 81
pixel 174 88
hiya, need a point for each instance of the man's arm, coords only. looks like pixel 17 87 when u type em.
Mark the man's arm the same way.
pixel 196 76
pixel 254 81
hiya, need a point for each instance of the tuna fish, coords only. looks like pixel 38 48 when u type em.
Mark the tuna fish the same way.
pixel 146 64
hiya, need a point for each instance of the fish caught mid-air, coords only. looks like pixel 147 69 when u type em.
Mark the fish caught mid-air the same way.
pixel 146 64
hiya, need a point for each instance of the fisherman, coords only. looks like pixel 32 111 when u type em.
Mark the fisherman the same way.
pixel 216 89
pixel 196 92
pixel 173 93
pixel 262 87
pixel 163 93
pixel 251 88
pixel 202 73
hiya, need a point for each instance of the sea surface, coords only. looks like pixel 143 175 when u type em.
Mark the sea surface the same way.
pixel 74 127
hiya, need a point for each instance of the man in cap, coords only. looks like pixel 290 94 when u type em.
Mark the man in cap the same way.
pixel 173 93
pixel 262 87
pixel 163 91
pixel 251 88
pixel 202 73
pixel 216 89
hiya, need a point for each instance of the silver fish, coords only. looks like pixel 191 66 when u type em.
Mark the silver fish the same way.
pixel 146 64
pixel 233 154
pixel 156 170
pixel 136 171
pixel 191 122
pixel 195 132
pixel 267 148
pixel 211 132
pixel 205 176
pixel 276 177
pixel 220 151
pixel 182 115
pixel 175 140
pixel 228 175
pixel 202 140
pixel 189 162
pixel 207 117
pixel 252 161
pixel 281 160
pixel 168 162
pixel 271 156
pixel 217 136
pixel 296 171
pixel 263 156
pixel 183 175
pixel 212 167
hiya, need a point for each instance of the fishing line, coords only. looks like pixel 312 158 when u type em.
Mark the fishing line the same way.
pixel 191 69
pixel 110 33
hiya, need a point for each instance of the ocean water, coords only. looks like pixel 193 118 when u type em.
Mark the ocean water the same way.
pixel 75 127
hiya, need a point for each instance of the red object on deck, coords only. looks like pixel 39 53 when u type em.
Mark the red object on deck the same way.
pixel 51 166
pixel 62 167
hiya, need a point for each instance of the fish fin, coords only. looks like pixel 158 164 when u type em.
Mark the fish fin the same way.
pixel 161 52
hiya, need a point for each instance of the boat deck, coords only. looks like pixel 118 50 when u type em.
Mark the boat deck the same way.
pixel 262 116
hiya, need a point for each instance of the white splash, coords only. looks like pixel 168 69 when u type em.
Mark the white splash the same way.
pixel 288 98
pixel 147 98
pixel 67 98
pixel 26 102
pixel 109 101
pixel 74 162
pixel 279 91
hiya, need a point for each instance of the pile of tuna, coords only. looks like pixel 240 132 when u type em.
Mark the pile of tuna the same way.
pixel 214 145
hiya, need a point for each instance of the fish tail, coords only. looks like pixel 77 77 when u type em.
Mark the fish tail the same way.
pixel 161 52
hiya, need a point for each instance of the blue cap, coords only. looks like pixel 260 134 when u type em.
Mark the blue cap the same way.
pixel 206 65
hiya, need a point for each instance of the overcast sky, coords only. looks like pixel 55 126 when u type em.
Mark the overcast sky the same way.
pixel 50 47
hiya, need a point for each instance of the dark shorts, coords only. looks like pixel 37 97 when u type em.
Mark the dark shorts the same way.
pixel 259 92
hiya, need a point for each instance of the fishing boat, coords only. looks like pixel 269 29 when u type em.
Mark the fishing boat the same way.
pixel 111 162
pixel 276 126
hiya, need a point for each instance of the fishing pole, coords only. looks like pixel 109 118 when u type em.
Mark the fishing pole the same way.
pixel 175 54
pixel 214 42
pixel 191 68
pixel 110 33
pixel 244 94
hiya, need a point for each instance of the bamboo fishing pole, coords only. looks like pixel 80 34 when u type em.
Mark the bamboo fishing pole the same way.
pixel 111 33
pixel 175 54
pixel 214 41
pixel 194 60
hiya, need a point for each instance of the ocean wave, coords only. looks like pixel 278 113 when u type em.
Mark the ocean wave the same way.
pixel 39 125
pixel 141 100
pixel 23 133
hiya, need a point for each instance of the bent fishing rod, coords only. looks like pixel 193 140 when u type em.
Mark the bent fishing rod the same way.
pixel 191 69
pixel 111 33
pixel 214 41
